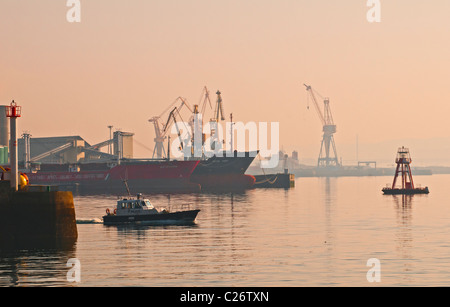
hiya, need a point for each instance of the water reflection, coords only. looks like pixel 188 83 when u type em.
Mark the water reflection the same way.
pixel 35 267
pixel 403 235
pixel 320 233
pixel 329 203
pixel 213 245
pixel 404 215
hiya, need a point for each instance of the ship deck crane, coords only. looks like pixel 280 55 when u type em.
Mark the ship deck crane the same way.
pixel 326 158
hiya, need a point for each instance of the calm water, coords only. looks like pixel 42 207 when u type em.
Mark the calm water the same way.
pixel 321 233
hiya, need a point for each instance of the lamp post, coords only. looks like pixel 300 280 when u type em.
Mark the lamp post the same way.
pixel 110 138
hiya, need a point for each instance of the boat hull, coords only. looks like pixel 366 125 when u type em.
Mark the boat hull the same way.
pixel 173 218
pixel 98 178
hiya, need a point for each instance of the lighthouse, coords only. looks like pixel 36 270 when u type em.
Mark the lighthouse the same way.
pixel 13 112
pixel 403 181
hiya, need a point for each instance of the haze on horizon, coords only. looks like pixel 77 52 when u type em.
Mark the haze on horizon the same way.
pixel 127 61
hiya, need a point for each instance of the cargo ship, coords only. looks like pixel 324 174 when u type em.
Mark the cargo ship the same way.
pixel 73 164
pixel 108 178
pixel 77 166
pixel 225 173
pixel 222 172
pixel 149 176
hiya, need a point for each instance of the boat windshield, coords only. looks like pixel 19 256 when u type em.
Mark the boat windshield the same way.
pixel 130 204
pixel 134 204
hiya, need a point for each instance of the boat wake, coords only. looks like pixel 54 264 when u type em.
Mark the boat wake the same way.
pixel 90 221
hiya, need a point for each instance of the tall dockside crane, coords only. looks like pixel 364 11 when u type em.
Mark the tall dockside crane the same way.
pixel 159 139
pixel 218 112
pixel 172 119
pixel 326 158
pixel 161 130
pixel 205 97
pixel 218 116
pixel 196 121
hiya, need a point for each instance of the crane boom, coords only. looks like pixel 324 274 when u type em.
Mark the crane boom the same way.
pixel 205 96
pixel 183 102
pixel 316 104
pixel 173 118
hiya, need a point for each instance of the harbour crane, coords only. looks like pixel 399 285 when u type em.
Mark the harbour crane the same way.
pixel 218 116
pixel 161 130
pixel 159 138
pixel 205 96
pixel 196 120
pixel 172 118
pixel 218 112
pixel 326 158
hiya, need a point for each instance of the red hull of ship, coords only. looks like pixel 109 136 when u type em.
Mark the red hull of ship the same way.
pixel 144 177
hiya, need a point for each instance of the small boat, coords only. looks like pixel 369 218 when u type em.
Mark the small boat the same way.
pixel 140 211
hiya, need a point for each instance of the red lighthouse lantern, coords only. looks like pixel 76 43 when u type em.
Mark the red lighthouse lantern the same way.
pixel 13 110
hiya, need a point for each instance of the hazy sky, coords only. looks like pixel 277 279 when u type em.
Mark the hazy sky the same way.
pixel 126 61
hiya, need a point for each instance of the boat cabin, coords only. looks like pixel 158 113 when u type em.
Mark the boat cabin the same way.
pixel 132 206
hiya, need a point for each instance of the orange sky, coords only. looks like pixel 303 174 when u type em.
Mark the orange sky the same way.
pixel 128 60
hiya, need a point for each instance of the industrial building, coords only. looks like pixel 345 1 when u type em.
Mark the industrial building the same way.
pixel 62 149
pixel 72 149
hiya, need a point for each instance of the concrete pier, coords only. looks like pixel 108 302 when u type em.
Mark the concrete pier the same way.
pixel 36 216
pixel 32 216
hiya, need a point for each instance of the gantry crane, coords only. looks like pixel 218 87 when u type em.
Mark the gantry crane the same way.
pixel 161 130
pixel 326 158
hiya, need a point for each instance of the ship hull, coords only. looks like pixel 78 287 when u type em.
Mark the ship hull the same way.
pixel 225 173
pixel 141 176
